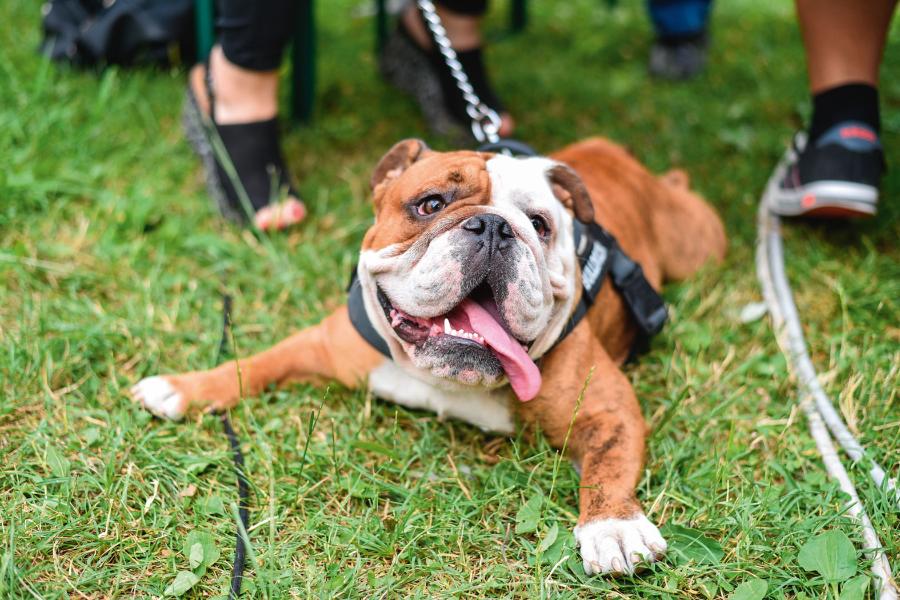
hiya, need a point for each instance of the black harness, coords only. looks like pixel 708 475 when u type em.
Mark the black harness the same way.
pixel 598 254
pixel 360 318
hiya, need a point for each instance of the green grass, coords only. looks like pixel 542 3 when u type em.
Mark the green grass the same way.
pixel 112 263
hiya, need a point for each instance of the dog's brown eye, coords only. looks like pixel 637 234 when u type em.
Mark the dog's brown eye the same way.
pixel 540 225
pixel 430 205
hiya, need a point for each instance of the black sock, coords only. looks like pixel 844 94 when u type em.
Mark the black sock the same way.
pixel 698 38
pixel 851 102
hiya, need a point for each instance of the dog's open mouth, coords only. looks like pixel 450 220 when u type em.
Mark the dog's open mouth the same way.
pixel 475 322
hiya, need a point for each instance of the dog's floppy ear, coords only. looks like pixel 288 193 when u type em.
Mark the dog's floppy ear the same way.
pixel 398 159
pixel 569 189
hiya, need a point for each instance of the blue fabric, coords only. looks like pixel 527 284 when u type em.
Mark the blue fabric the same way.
pixel 673 18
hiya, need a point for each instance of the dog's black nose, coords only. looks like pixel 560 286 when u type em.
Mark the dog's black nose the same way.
pixel 492 230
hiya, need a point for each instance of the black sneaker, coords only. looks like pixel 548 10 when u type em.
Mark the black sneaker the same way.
pixel 838 176
pixel 678 59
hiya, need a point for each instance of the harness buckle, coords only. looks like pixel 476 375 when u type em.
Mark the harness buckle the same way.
pixel 644 302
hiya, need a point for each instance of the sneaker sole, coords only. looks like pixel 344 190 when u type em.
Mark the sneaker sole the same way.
pixel 822 199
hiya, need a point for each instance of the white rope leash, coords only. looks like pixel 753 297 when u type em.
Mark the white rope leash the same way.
pixel 820 412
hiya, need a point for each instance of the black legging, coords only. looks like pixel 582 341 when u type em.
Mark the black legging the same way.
pixel 254 33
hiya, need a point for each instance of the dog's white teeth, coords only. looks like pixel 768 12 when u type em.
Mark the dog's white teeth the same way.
pixel 462 333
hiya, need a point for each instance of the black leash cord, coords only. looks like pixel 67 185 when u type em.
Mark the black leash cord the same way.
pixel 240 549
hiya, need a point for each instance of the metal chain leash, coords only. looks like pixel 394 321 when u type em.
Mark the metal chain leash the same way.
pixel 485 120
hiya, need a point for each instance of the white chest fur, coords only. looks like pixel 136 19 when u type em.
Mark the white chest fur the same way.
pixel 486 409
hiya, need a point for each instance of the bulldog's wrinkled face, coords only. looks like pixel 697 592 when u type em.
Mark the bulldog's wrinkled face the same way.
pixel 469 269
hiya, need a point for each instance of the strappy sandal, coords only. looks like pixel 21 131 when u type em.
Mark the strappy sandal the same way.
pixel 245 171
pixel 423 75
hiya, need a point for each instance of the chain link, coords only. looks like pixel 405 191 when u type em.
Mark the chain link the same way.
pixel 485 120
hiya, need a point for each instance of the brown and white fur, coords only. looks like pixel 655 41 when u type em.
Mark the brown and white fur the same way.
pixel 421 266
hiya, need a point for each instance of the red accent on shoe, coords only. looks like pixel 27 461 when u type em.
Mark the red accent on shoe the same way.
pixel 854 131
pixel 808 201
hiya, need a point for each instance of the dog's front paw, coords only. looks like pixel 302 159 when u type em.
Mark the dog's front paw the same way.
pixel 619 545
pixel 160 397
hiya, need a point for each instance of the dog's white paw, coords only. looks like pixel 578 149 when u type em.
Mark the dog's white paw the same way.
pixel 159 397
pixel 619 545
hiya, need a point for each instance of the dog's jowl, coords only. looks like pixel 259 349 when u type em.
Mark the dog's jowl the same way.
pixel 470 275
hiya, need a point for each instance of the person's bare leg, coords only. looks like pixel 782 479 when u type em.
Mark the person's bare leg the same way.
pixel 245 96
pixel 464 32
pixel 242 95
pixel 844 40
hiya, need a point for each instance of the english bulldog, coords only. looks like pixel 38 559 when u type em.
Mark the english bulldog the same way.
pixel 469 274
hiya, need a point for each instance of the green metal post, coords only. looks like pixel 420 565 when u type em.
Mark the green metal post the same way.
pixel 303 69
pixel 206 29
pixel 518 15
pixel 380 25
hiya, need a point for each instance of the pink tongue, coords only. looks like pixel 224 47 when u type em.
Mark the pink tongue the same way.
pixel 524 376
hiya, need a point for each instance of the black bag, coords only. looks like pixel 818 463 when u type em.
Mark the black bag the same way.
pixel 122 32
